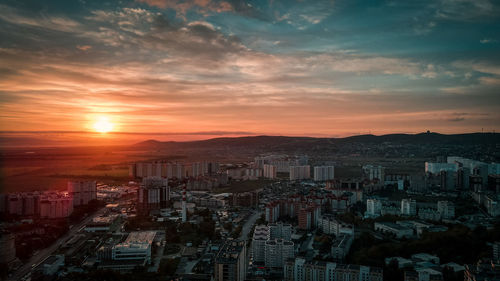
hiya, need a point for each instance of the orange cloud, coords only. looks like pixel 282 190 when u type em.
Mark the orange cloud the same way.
pixel 182 7
pixel 84 47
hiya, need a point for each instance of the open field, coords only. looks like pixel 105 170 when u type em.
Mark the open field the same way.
pixel 50 169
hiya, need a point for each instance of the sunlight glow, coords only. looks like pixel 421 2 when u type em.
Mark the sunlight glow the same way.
pixel 103 125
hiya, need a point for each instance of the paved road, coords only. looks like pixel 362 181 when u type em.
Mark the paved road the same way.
pixel 247 227
pixel 159 254
pixel 45 253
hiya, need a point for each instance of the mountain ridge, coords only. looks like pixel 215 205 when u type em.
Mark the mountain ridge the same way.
pixel 420 138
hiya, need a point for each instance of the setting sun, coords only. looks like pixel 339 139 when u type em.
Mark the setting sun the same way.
pixel 103 125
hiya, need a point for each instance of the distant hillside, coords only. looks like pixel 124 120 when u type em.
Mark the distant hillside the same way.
pixel 273 142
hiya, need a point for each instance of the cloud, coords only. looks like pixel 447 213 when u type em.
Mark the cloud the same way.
pixel 423 28
pixel 465 10
pixel 153 72
pixel 493 81
pixel 430 72
pixel 487 41
pixel 182 7
pixel 84 47
pixel 56 23
pixel 457 119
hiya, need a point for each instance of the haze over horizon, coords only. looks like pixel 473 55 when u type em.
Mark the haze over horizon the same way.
pixel 192 69
pixel 67 139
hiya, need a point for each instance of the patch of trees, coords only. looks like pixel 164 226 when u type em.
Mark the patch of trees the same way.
pixel 459 244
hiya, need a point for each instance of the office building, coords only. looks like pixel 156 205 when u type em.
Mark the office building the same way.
pixel 137 247
pixel 134 252
pixel 324 173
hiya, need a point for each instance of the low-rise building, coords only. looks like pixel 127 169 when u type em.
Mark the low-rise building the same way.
pixel 397 230
pixel 329 225
pixel 341 246
pixel 446 209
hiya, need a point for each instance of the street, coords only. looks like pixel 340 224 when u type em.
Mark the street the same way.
pixel 44 253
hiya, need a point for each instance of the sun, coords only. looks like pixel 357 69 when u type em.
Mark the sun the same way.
pixel 103 125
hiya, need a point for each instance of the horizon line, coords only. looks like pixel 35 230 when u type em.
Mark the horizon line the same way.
pixel 222 133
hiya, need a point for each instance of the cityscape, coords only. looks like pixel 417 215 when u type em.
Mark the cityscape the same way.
pixel 232 140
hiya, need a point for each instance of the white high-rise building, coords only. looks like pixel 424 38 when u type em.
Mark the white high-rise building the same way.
pixel 372 172
pixel 272 211
pixel 260 236
pixel 300 172
pixel 324 173
pixel 82 192
pixel 280 231
pixel 277 252
pixel 153 193
pixel 55 205
pixel 373 208
pixel 204 168
pixel 408 207
pixel 269 171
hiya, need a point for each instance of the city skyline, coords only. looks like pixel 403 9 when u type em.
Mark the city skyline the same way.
pixel 191 70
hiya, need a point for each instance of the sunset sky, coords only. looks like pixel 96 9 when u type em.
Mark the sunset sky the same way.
pixel 211 68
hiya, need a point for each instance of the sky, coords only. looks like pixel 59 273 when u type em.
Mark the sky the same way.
pixel 203 68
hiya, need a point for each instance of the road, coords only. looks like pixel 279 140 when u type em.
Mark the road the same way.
pixel 159 254
pixel 246 229
pixel 45 253
pixel 249 224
